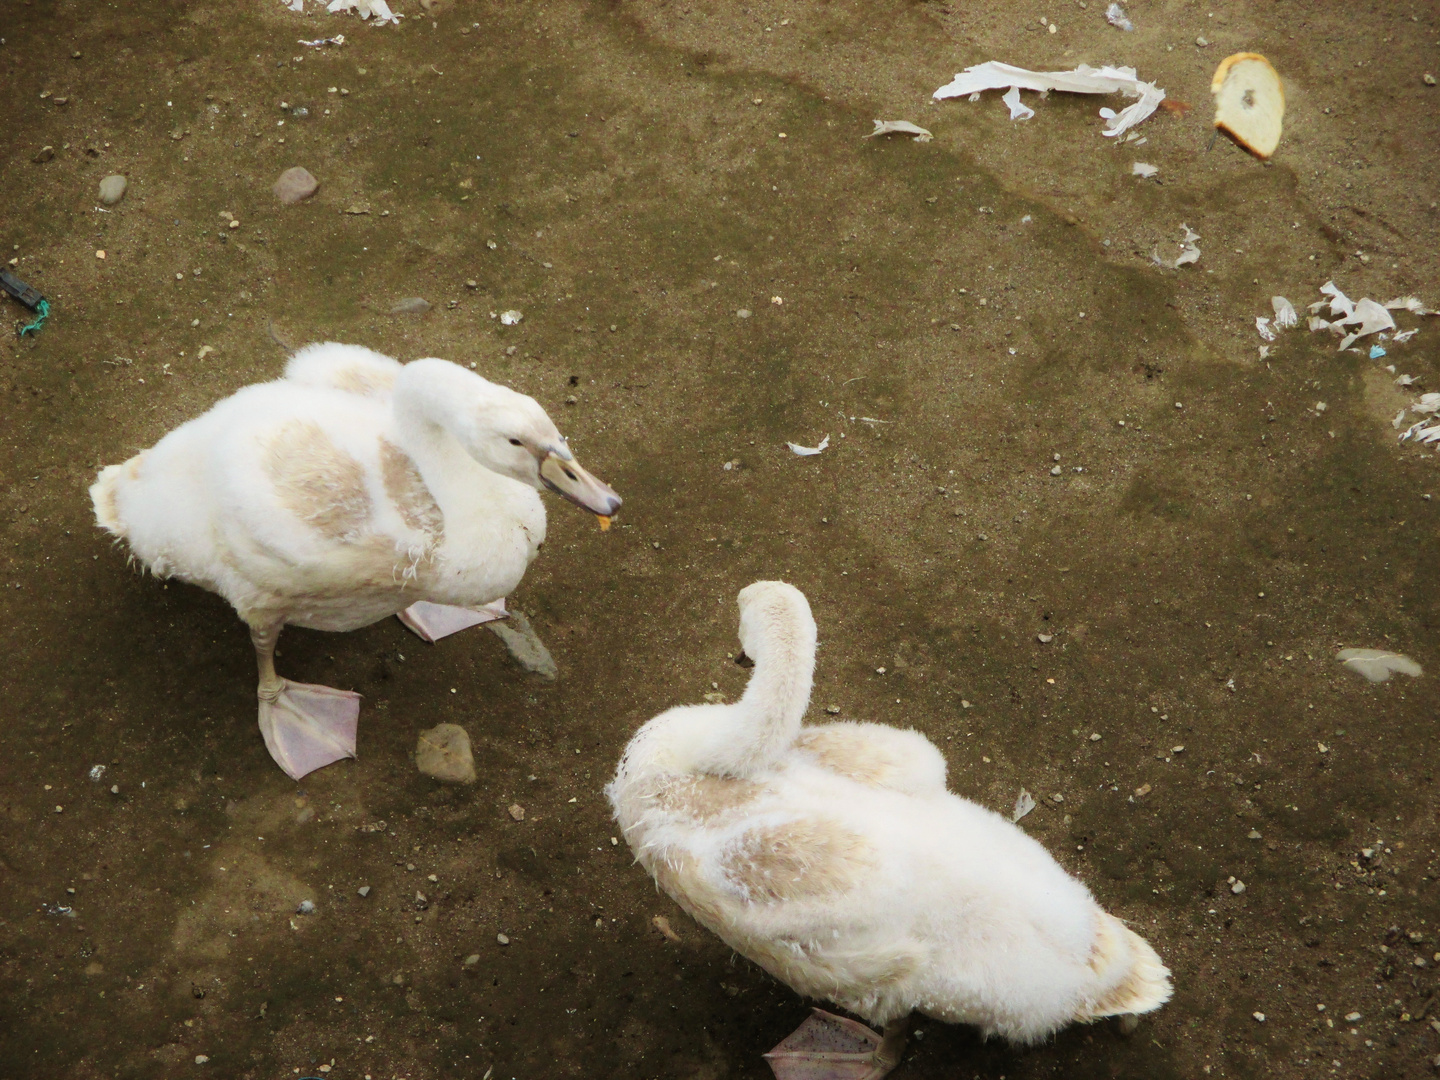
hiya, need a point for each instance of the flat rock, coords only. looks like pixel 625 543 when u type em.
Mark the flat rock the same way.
pixel 525 645
pixel 410 305
pixel 112 189
pixel 294 185
pixel 444 753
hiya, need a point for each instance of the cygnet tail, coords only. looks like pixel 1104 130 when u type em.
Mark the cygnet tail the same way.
pixel 1130 977
pixel 104 495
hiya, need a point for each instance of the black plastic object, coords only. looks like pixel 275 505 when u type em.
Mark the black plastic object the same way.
pixel 26 294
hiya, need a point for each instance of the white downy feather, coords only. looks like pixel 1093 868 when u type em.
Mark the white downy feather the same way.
pixel 899 127
pixel 1377 665
pixel 808 451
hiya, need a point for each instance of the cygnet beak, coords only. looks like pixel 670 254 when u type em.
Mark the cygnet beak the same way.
pixel 568 480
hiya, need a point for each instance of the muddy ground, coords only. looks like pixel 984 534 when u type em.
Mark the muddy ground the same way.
pixel 618 173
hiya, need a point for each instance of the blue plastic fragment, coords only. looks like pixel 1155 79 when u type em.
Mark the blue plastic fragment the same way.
pixel 1376 352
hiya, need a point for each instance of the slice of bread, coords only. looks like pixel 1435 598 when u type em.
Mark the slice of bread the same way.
pixel 1249 102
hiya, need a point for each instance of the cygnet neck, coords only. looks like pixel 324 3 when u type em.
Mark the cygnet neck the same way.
pixel 763 724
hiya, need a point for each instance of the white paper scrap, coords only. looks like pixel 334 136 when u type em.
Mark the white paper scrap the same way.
pixel 1377 665
pixel 338 39
pixel 1428 403
pixel 1399 419
pixel 1084 79
pixel 808 451
pixel 1410 303
pixel 1018 109
pixel 1285 314
pixel 1404 336
pixel 1140 168
pixel 511 317
pixel 1340 304
pixel 295 5
pixel 1115 16
pixel 1372 319
pixel 899 127
pixel 1189 251
pixel 379 10
pixel 1024 803
pixel 1262 325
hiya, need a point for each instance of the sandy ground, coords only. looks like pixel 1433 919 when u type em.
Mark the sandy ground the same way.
pixel 618 173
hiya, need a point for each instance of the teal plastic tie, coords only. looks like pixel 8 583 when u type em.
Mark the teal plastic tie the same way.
pixel 42 310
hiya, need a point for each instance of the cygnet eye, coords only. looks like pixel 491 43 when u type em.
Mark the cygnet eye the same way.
pixel 571 475
pixel 514 442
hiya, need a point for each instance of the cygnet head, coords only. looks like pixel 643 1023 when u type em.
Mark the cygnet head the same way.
pixel 509 433
pixel 773 613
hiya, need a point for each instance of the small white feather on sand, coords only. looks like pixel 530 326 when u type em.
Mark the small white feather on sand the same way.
pixel 899 127
pixel 1378 665
pixel 808 451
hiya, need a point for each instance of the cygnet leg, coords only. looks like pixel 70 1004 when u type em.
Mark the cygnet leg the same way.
pixel 830 1047
pixel 434 621
pixel 306 727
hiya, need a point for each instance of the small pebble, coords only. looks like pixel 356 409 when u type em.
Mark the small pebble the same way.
pixel 201 1059
pixel 1095 736
pixel 1044 639
pixel 502 939
pixel 112 189
pixel 443 752
pixel 364 890
pixel 307 907
pixel 295 185
pixel 1429 79
pixel 743 313
pixel 517 811
pixel 46 154
pixel 1202 43
pixel 410 305
pixel 472 959
pixel 471 283
pixel 510 318
pixel 1351 1018
pixel 1259 1016
pixel 1238 888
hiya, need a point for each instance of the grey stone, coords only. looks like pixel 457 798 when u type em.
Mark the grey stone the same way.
pixel 444 753
pixel 525 645
pixel 294 185
pixel 411 305
pixel 112 189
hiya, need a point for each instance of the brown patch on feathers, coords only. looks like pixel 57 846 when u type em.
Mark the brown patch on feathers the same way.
pixel 317 481
pixel 408 492
pixel 704 798
pixel 1145 983
pixel 805 859
pixel 848 753
pixel 364 380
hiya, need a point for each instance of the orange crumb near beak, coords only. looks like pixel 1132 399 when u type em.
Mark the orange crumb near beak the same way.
pixel 604 522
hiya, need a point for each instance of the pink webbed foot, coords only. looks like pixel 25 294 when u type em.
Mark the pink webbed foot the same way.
pixel 830 1047
pixel 435 621
pixel 306 727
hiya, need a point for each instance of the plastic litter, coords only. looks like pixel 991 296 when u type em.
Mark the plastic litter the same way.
pixel 1018 109
pixel 379 10
pixel 1115 16
pixel 899 127
pixel 1189 251
pixel 1143 169
pixel 338 39
pixel 1411 304
pixel 1377 351
pixel 1084 79
pixel 1285 314
pixel 1024 803
pixel 510 318
pixel 1262 324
